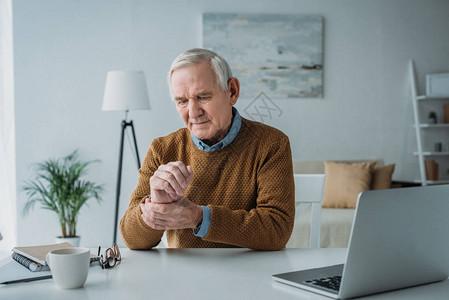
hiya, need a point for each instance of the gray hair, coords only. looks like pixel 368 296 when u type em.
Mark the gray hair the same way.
pixel 197 56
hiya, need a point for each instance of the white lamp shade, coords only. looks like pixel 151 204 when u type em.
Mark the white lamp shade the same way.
pixel 126 90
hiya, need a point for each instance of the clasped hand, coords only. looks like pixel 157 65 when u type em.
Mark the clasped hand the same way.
pixel 168 208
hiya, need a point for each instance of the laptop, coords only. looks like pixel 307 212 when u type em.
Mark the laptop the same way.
pixel 399 239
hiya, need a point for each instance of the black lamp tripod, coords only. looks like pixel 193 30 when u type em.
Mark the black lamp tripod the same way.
pixel 125 124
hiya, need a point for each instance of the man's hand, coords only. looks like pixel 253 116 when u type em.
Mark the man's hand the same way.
pixel 179 214
pixel 170 181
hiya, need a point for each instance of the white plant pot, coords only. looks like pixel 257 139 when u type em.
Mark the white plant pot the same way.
pixel 75 241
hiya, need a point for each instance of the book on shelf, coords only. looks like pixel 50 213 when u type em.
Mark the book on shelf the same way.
pixel 33 257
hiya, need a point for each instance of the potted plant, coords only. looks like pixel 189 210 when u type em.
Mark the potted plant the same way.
pixel 58 186
pixel 432 117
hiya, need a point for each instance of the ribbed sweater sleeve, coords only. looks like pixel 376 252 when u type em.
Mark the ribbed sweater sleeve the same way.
pixel 134 231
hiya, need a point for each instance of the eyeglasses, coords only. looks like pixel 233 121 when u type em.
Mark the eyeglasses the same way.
pixel 111 257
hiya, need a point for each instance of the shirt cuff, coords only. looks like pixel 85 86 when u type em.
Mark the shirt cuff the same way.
pixel 203 228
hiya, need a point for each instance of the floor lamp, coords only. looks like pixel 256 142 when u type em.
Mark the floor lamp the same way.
pixel 125 91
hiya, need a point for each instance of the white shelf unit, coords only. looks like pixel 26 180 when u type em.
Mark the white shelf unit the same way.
pixel 421 129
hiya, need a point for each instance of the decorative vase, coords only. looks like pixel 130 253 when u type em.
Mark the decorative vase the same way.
pixel 75 241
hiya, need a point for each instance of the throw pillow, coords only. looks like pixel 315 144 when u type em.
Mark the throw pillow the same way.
pixel 344 182
pixel 382 177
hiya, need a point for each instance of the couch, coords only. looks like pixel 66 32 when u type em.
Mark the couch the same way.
pixel 336 222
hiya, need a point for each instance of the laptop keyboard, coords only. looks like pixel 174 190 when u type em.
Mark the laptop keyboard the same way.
pixel 330 283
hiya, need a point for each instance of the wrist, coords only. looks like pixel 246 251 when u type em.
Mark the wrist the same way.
pixel 199 216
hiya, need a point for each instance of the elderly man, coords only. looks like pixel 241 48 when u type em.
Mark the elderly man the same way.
pixel 223 181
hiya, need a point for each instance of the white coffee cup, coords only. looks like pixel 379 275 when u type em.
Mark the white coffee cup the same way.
pixel 69 266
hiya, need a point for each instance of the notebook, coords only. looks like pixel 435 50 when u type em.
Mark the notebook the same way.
pixel 38 253
pixel 398 240
pixel 12 272
pixel 33 257
pixel 31 264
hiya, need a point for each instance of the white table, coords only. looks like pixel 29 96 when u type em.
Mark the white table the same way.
pixel 203 274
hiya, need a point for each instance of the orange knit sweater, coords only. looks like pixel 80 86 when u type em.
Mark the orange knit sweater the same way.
pixel 248 185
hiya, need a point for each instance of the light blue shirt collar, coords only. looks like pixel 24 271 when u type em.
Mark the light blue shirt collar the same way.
pixel 229 138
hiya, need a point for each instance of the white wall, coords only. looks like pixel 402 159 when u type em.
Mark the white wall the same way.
pixel 8 228
pixel 63 50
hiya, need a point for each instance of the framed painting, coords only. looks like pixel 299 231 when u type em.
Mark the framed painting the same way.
pixel 279 55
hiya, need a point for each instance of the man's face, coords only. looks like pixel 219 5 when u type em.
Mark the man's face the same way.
pixel 203 106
